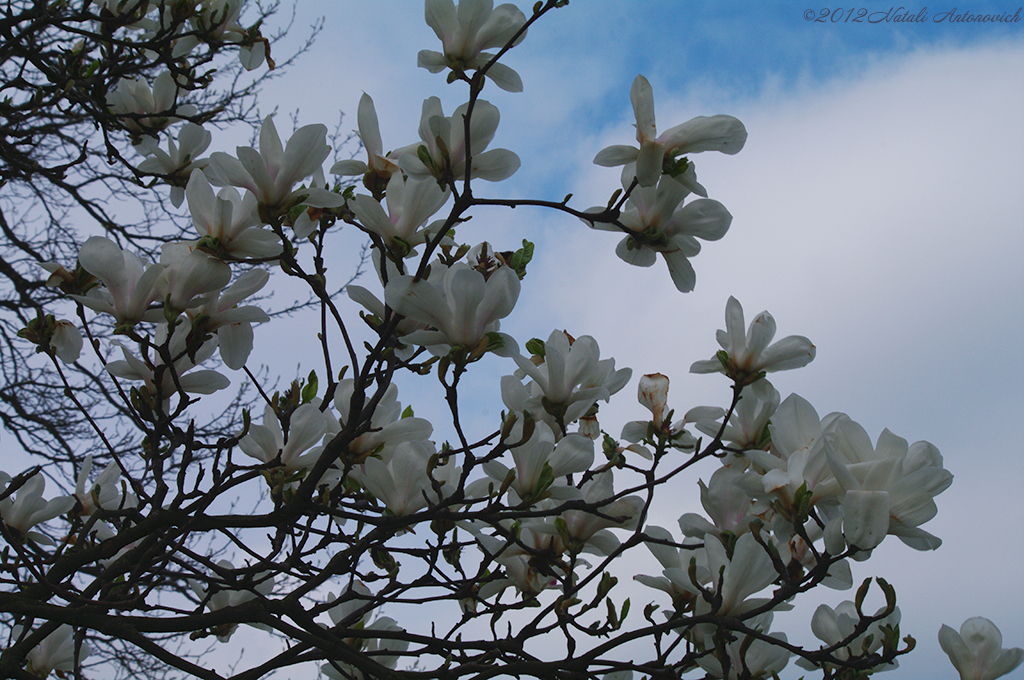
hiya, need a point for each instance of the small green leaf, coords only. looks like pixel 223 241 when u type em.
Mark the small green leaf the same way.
pixel 309 390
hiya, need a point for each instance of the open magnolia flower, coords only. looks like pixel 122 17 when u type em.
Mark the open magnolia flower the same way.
pixel 228 223
pixel 55 653
pixel 180 159
pixel 833 626
pixel 745 355
pixel 267 443
pixel 219 313
pixel 410 203
pixel 463 306
pixel 656 222
pixel 273 171
pixel 977 650
pixel 378 167
pixel 174 375
pixel 714 133
pixel 889 488
pixel 144 111
pixel 466 31
pixel 444 139
pixel 228 591
pixel 25 508
pixel 129 286
pixel 571 377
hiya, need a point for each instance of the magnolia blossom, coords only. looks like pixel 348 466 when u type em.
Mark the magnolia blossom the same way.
pixel 387 427
pixel 748 423
pixel 977 650
pixel 747 355
pixel 227 222
pixel 463 306
pixel 656 222
pixel 188 273
pixel 55 653
pixel 129 286
pixel 832 626
pixel 219 313
pixel 180 159
pixel 572 376
pixel 170 376
pixel 267 442
pixel 402 483
pixel 750 658
pixel 588 529
pixel 889 488
pixel 476 25
pixel 715 133
pixel 746 573
pixel 378 167
pixel 66 341
pixel 104 492
pixel 411 203
pixel 384 651
pixel 652 393
pixel 144 111
pixel 445 142
pixel 797 455
pixel 26 508
pixel 727 503
pixel 227 593
pixel 272 172
pixel 540 462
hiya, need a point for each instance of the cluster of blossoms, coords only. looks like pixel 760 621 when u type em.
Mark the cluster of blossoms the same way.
pixel 796 496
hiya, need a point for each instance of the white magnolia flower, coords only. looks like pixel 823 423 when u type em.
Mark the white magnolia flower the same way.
pixel 26 508
pixel 188 273
pixel 386 429
pixel 194 382
pixel 180 159
pixel 476 25
pixel 715 133
pixel 746 355
pixel 55 653
pixel 144 111
pixel 104 492
pixel 378 167
pixel 540 462
pixel 832 626
pixel 228 222
pixel 748 572
pixel 410 203
pixel 657 222
pixel 226 593
pixel 445 141
pixel 977 650
pixel 267 443
pixel 463 306
pixel 401 482
pixel 129 286
pixel 748 658
pixel 889 488
pixel 272 172
pixel 572 376
pixel 219 313
pixel 66 341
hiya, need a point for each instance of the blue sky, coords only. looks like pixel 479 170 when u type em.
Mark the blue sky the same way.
pixel 878 209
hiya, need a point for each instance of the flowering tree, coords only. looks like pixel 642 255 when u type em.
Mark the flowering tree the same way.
pixel 332 517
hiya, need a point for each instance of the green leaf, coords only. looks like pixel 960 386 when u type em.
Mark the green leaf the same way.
pixel 309 390
pixel 535 346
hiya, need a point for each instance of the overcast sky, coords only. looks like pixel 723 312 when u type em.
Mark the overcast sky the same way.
pixel 878 209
